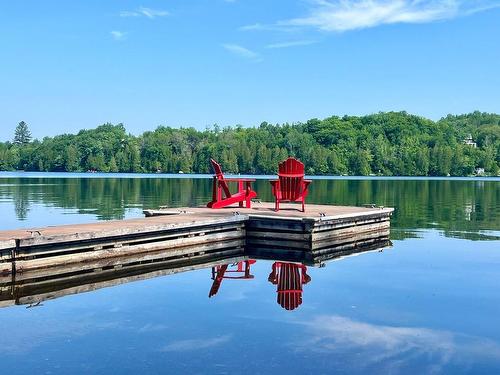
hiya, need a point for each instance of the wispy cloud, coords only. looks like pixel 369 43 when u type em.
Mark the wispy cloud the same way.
pixel 263 27
pixel 295 43
pixel 152 328
pixel 389 346
pixel 144 12
pixel 242 52
pixel 345 15
pixel 118 35
pixel 195 344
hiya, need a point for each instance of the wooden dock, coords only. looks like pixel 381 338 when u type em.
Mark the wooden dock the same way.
pixel 192 234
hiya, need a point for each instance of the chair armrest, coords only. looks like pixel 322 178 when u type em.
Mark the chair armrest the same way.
pixel 291 174
pixel 306 185
pixel 239 179
pixel 275 187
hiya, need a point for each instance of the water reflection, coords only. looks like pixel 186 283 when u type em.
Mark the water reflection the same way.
pixel 239 270
pixel 429 305
pixel 289 278
pixel 33 288
pixel 459 208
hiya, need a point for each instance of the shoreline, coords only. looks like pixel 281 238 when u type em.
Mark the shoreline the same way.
pixel 23 174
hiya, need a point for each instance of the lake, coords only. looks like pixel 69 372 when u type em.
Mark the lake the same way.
pixel 427 304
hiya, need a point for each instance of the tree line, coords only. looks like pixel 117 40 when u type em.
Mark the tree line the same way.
pixel 388 143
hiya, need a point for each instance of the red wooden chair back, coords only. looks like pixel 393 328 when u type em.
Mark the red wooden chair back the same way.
pixel 289 286
pixel 289 278
pixel 220 177
pixel 291 176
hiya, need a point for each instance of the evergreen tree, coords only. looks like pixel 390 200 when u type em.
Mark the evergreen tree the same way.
pixel 112 165
pixel 22 134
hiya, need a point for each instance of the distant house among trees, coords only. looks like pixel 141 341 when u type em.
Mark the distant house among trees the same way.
pixel 469 141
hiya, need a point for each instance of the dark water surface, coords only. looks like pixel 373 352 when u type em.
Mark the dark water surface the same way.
pixel 428 304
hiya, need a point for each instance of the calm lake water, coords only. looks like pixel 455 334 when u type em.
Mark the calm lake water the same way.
pixel 428 304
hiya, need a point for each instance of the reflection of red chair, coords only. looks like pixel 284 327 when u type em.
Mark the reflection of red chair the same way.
pixel 220 188
pixel 289 277
pixel 219 273
pixel 290 185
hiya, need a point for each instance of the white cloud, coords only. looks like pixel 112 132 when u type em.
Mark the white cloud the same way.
pixel 144 12
pixel 358 14
pixel 195 344
pixel 242 52
pixel 393 346
pixel 262 27
pixel 118 35
pixel 345 15
pixel 295 43
pixel 152 328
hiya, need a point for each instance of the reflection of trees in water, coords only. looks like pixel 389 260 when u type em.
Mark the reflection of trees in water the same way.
pixel 453 206
pixel 459 208
pixel 21 203
pixel 107 198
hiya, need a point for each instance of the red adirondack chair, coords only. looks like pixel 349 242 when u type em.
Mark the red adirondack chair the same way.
pixel 221 195
pixel 290 185
pixel 289 278
pixel 219 273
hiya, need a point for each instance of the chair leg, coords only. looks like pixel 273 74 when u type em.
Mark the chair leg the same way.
pixel 303 206
pixel 240 190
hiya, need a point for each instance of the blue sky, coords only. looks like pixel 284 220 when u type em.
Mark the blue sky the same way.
pixel 67 65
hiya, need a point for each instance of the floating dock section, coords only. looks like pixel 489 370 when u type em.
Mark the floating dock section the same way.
pixel 193 235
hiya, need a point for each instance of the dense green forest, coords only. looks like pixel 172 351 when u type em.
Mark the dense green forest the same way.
pixel 391 143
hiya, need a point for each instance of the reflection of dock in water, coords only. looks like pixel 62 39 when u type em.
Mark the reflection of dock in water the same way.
pixel 33 287
pixel 228 260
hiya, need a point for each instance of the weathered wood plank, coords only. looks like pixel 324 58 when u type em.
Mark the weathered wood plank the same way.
pixel 284 255
pixel 177 246
pixel 229 248
pixel 5 268
pixel 303 245
pixel 348 250
pixel 378 235
pixel 278 225
pixel 38 292
pixel 121 231
pixel 7 245
pixel 294 236
pixel 352 230
pixel 327 225
pixel 89 245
